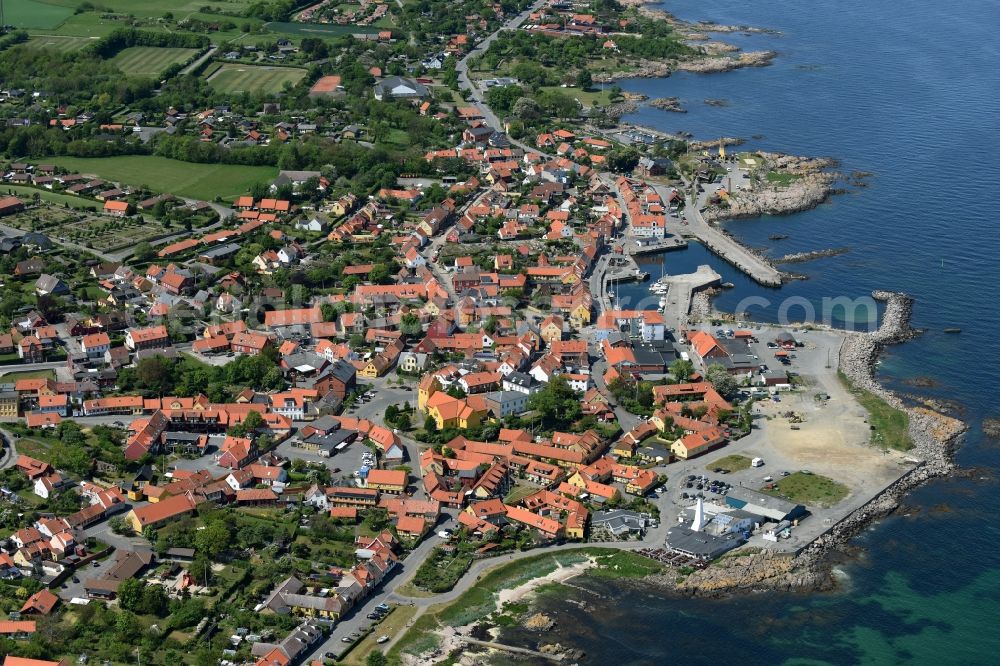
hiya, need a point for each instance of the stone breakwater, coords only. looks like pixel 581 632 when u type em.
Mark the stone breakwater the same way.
pixel 802 257
pixel 934 437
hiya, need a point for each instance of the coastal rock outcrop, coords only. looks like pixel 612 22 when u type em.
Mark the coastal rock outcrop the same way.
pixel 668 104
pixel 802 257
pixel 711 64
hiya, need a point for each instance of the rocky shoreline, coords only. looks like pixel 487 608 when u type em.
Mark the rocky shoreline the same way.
pixel 934 437
pixel 672 104
pixel 810 186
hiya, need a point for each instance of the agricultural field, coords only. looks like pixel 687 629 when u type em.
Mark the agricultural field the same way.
pixel 35 14
pixel 237 78
pixel 150 61
pixel 61 43
pixel 160 174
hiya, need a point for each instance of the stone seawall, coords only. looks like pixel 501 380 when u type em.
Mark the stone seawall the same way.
pixel 934 439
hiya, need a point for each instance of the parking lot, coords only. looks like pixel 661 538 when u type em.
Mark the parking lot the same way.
pixel 819 427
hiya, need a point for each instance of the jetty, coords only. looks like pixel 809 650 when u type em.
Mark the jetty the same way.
pixel 555 658
pixel 681 289
pixel 756 268
pixel 640 246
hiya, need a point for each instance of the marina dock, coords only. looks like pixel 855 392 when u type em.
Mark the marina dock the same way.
pixel 756 268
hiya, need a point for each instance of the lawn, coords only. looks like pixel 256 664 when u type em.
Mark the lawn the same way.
pixel 394 623
pixel 62 43
pixel 809 489
pixel 586 97
pixel 732 463
pixel 318 29
pixel 150 61
pixel 34 448
pixel 891 425
pixel 27 193
pixel 236 78
pixel 781 178
pixel 29 374
pixel 34 14
pixel 518 493
pixel 184 179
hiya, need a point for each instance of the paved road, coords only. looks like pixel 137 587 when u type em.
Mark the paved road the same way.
pixel 8 454
pixel 462 67
pixel 208 54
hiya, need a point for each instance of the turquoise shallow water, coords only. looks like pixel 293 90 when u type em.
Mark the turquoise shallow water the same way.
pixel 909 92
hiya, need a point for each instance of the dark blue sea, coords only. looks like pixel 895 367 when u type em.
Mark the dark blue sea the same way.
pixel 909 91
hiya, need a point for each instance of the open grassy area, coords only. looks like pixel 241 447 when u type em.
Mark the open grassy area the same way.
pixel 891 425
pixel 35 14
pixel 586 97
pixel 480 600
pixel 781 178
pixel 11 377
pixel 393 624
pixel 318 29
pixel 237 78
pixel 809 489
pixel 63 43
pixel 150 61
pixel 26 193
pixel 160 174
pixel 731 463
pixel 519 492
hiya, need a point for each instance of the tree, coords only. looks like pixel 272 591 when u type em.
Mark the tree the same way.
pixel 143 252
pixel 430 425
pixel 721 380
pixel 557 404
pixel 410 325
pixel 329 311
pixel 584 80
pixel 130 593
pixel 213 539
pixel 119 525
pixel 376 658
pixel 681 370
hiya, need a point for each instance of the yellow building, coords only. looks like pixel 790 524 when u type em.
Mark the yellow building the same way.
pixel 429 385
pixel 376 367
pixel 449 412
pixel 391 481
pixel 8 404
pixel 579 316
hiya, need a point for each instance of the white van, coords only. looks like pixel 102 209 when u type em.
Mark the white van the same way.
pixel 757 462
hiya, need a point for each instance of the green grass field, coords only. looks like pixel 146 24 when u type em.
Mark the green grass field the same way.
pixel 731 463
pixel 185 179
pixel 891 425
pixel 35 14
pixel 26 193
pixel 809 489
pixel 149 61
pixel 62 43
pixel 319 29
pixel 236 78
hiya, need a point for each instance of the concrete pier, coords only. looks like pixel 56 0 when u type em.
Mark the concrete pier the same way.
pixel 757 269
pixel 682 289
